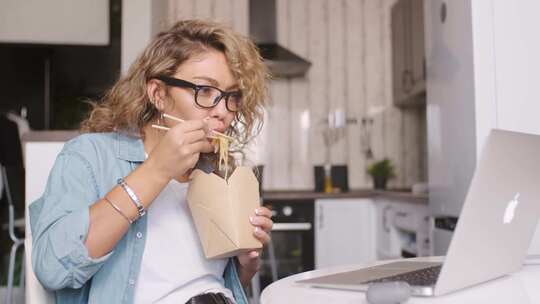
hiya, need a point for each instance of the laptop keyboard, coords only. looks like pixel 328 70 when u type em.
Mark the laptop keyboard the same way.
pixel 422 277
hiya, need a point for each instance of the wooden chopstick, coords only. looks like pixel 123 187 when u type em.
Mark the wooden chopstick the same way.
pixel 166 129
pixel 222 135
pixel 173 117
pixel 181 120
pixel 160 127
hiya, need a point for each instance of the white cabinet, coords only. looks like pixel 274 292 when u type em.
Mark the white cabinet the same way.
pixel 352 231
pixel 344 231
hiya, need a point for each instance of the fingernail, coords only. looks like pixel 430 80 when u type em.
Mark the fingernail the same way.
pixel 257 230
pixel 251 219
pixel 257 211
pixel 254 254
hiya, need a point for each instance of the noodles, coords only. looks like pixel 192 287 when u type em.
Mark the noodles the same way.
pixel 222 144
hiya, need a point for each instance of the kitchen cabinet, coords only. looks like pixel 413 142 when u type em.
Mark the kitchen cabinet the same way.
pixel 408 53
pixel 344 231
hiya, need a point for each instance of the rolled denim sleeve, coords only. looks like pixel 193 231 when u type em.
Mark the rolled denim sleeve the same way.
pixel 60 220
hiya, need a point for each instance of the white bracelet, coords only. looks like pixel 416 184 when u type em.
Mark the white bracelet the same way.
pixel 134 198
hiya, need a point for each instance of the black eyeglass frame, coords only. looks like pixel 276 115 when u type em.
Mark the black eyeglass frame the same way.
pixel 180 83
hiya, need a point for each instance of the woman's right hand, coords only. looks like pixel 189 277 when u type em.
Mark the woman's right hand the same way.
pixel 178 151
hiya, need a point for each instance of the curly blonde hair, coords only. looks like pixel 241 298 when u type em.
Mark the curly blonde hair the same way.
pixel 127 107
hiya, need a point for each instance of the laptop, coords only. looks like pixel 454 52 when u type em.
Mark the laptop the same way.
pixel 495 228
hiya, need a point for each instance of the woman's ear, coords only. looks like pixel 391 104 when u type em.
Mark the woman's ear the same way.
pixel 153 90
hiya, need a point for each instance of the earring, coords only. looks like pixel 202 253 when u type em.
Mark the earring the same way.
pixel 160 117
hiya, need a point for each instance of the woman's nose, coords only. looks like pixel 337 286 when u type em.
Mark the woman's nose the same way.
pixel 220 110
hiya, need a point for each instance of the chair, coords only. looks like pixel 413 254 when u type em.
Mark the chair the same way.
pixel 12 173
pixel 34 291
pixel 39 159
pixel 17 242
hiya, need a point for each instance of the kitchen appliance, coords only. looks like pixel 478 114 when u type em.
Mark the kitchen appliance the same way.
pixel 482 73
pixel 280 61
pixel 292 238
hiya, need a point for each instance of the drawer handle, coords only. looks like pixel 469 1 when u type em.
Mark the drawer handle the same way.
pixel 291 227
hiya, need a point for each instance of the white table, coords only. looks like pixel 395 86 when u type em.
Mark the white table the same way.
pixel 522 287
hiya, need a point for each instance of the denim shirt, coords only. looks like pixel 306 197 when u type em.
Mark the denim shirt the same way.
pixel 85 170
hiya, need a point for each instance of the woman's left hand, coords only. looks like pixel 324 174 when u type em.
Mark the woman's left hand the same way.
pixel 249 260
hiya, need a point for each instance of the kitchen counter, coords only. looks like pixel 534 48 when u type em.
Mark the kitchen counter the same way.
pixel 307 195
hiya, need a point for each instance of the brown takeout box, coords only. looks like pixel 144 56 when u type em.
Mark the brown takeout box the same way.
pixel 221 211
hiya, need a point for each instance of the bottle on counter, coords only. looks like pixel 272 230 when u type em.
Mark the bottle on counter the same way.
pixel 328 187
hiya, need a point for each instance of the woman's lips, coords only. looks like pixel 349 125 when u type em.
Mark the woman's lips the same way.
pixel 216 125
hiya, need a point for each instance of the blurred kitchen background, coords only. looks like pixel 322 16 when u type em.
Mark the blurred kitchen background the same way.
pixel 361 91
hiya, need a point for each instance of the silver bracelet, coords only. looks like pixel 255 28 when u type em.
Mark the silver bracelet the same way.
pixel 134 198
pixel 118 210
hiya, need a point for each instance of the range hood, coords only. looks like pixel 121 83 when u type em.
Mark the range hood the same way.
pixel 262 28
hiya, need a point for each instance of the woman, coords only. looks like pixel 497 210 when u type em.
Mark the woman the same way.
pixel 93 241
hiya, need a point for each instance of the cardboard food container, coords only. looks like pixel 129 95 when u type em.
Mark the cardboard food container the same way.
pixel 221 211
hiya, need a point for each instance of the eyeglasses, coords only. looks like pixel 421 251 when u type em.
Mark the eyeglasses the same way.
pixel 207 96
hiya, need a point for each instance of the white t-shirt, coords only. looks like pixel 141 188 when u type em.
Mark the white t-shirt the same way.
pixel 174 267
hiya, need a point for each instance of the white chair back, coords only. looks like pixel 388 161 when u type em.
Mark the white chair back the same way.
pixel 39 159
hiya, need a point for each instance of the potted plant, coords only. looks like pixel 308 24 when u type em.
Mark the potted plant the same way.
pixel 381 171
